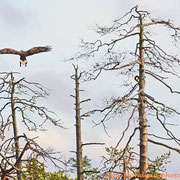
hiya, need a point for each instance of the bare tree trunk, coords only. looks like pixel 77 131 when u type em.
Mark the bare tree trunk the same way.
pixel 142 113
pixel 78 130
pixel 16 139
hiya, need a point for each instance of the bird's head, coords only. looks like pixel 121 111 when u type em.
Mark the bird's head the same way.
pixel 21 51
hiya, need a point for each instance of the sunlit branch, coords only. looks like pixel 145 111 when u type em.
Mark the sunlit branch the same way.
pixel 161 144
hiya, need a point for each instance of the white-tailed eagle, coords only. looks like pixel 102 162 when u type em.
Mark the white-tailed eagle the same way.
pixel 24 54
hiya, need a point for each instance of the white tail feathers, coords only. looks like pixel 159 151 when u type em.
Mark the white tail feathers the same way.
pixel 23 62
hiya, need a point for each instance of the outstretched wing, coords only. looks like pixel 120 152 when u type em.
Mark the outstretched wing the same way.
pixel 36 50
pixel 9 51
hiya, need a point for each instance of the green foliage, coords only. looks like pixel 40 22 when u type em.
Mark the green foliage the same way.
pixel 158 166
pixel 58 176
pixel 155 168
pixel 113 155
pixel 86 163
pixel 36 170
pixel 88 170
pixel 160 162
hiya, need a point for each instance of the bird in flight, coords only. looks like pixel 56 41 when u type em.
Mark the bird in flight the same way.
pixel 24 54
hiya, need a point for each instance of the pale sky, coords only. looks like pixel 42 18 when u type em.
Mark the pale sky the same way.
pixel 61 24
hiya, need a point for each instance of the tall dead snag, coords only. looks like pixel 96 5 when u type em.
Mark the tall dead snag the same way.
pixel 78 127
pixel 147 61
pixel 14 123
pixel 142 112
pixel 19 106
pixel 79 145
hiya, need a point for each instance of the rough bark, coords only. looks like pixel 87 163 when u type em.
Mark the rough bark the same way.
pixel 142 113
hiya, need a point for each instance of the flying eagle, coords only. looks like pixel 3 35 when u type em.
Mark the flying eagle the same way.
pixel 24 54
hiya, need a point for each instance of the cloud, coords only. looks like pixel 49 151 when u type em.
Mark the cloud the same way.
pixel 12 16
pixel 52 136
pixel 61 87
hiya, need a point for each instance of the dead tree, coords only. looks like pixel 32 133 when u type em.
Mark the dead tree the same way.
pixel 14 123
pixel 5 173
pixel 78 127
pixel 142 112
pixel 79 145
pixel 21 97
pixel 148 59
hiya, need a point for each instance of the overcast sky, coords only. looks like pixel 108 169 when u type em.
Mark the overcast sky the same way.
pixel 61 24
